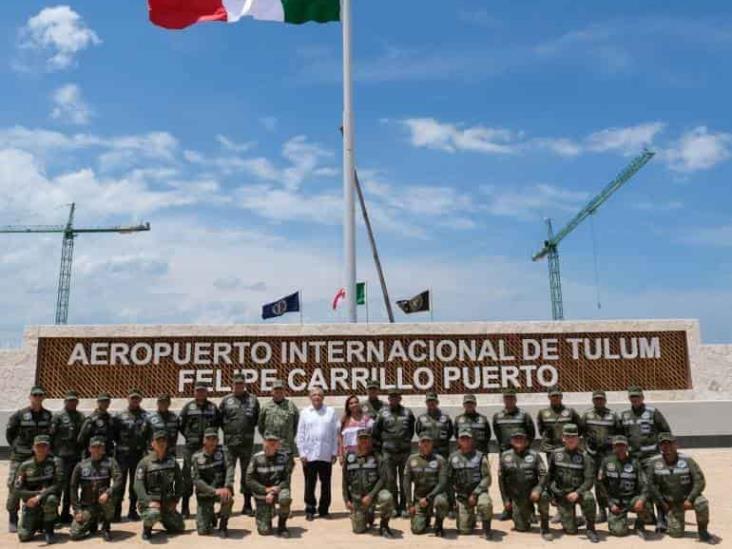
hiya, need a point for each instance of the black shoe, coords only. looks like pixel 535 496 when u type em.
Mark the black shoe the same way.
pixel 224 527
pixel 487 529
pixel 13 522
pixel 439 530
pixel 640 528
pixel 147 534
pixel 132 515
pixel 247 510
pixel 384 530
pixel 48 534
pixel 592 536
pixel 106 533
pixel 601 516
pixel 505 515
pixel 705 536
pixel 282 530
pixel 546 534
pixel 309 517
pixel 185 509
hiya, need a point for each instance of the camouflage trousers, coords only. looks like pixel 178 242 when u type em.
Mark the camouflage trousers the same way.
pixel 567 510
pixel 617 524
pixel 188 451
pixel 361 516
pixel 522 508
pixel 91 516
pixel 396 462
pixel 12 502
pixel 439 506
pixel 34 519
pixel 68 463
pixel 600 490
pixel 265 512
pixel 241 454
pixel 127 464
pixel 206 515
pixel 466 514
pixel 167 515
pixel 676 513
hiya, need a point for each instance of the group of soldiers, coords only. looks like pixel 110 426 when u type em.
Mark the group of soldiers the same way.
pixel 86 464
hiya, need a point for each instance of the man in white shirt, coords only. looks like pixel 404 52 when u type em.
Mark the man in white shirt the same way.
pixel 317 444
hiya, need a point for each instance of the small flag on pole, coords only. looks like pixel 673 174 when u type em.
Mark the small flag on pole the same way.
pixel 360 295
pixel 288 304
pixel 417 304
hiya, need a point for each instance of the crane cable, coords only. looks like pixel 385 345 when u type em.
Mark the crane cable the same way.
pixel 594 253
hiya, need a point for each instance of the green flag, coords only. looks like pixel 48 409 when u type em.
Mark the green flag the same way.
pixel 361 293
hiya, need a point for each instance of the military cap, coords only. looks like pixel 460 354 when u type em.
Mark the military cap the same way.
pixel 238 378
pixel 620 439
pixel 42 439
pixel 373 384
pixel 163 397
pixel 157 435
pixel 666 437
pixel 71 395
pixel 554 391
pixel 134 393
pixel 211 432
pixel 37 390
pixel 97 441
pixel 425 436
pixel 278 384
pixel 200 385
pixel 394 391
pixel 363 433
pixel 431 396
pixel 271 436
pixel 570 430
pixel 101 397
pixel 469 398
pixel 465 433
pixel 598 394
pixel 635 391
pixel 509 391
pixel 519 433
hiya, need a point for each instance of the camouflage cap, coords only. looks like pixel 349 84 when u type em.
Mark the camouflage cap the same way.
pixel 278 384
pixel 238 378
pixel 465 433
pixel 395 392
pixel 71 395
pixel 519 433
pixel 271 436
pixel 620 439
pixel 363 433
pixel 425 436
pixel 37 390
pixel 373 384
pixel 469 398
pixel 634 391
pixel 509 391
pixel 103 397
pixel 666 437
pixel 431 396
pixel 97 441
pixel 134 393
pixel 42 439
pixel 211 432
pixel 598 394
pixel 163 397
pixel 554 391
pixel 157 435
pixel 570 430
pixel 200 385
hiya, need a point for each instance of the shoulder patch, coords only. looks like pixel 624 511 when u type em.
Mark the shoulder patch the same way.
pixel 351 458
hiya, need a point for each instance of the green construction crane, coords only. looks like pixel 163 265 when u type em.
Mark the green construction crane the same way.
pixel 551 244
pixel 67 252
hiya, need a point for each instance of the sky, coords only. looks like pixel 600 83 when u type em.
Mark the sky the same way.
pixel 475 121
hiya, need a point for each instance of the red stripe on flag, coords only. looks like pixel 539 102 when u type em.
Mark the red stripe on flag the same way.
pixel 340 294
pixel 179 14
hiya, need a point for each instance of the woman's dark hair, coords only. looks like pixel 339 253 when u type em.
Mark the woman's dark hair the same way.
pixel 347 412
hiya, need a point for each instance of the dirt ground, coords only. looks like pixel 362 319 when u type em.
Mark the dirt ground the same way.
pixel 335 532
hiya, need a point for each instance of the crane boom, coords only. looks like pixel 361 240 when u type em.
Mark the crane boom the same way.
pixel 623 177
pixel 62 229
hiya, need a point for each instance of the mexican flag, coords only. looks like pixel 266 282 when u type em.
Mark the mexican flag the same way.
pixel 360 295
pixel 178 14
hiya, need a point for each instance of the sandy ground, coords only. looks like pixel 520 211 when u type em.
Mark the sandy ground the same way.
pixel 336 532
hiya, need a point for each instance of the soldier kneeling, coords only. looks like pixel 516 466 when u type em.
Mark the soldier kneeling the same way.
pixel 364 487
pixel 213 478
pixel 268 479
pixel 159 486
pixel 99 478
pixel 38 482
pixel 428 472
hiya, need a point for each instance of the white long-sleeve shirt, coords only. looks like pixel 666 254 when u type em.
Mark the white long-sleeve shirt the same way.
pixel 317 434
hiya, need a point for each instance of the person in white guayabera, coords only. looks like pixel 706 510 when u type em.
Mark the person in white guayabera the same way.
pixel 317 444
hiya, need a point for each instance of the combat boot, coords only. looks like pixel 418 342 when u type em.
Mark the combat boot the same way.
pixel 601 516
pixel 384 530
pixel 591 533
pixel 185 508
pixel 661 524
pixel 48 533
pixel 546 534
pixel 439 531
pixel 282 528
pixel 132 514
pixel 147 533
pixel 487 529
pixel 117 513
pixel 65 516
pixel 224 527
pixel 247 510
pixel 640 528
pixel 106 532
pixel 13 522
pixel 704 534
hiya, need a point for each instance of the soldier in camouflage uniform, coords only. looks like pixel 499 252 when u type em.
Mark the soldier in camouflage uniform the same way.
pixel 364 490
pixel 38 483
pixel 373 403
pixel 279 417
pixel 676 483
pixel 239 417
pixel 195 417
pixel 508 421
pixel 163 420
pixel 213 478
pixel 428 471
pixel 598 425
pixel 475 422
pixel 130 447
pixel 569 483
pixel 268 480
pixel 551 421
pixel 65 429
pixel 625 486
pixel 23 426
pixel 392 433
pixel 522 476
pixel 439 426
pixel 99 479
pixel 469 473
pixel 159 486
pixel 98 424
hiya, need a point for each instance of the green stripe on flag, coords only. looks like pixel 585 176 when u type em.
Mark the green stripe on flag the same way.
pixel 302 11
pixel 361 293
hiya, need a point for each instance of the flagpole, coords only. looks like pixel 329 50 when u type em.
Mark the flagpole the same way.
pixel 299 296
pixel 349 167
pixel 432 303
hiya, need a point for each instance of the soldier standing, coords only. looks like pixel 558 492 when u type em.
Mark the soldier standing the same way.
pixel 38 482
pixel 624 484
pixel 676 482
pixel 65 429
pixel 268 480
pixel 159 486
pixel 364 490
pixel 279 417
pixel 213 477
pixel 508 421
pixel 469 473
pixel 475 422
pixel 522 476
pixel 98 424
pixel 195 417
pixel 428 471
pixel 551 421
pixel 239 417
pixel 99 478
pixel 393 432
pixel 130 446
pixel 163 420
pixel 23 426
pixel 569 482
pixel 598 426
pixel 373 403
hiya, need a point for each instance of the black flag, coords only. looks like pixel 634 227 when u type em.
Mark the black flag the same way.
pixel 288 304
pixel 418 304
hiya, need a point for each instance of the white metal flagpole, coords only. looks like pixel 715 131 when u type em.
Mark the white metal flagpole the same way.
pixel 349 169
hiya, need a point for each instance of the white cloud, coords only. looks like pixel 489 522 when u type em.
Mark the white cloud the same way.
pixel 532 202
pixel 627 140
pixel 69 106
pixel 59 34
pixel 432 134
pixel 233 146
pixel 699 149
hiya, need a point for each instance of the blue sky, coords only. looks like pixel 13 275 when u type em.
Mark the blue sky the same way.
pixel 475 120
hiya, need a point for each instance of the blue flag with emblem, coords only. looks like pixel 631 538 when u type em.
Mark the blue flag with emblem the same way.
pixel 288 304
